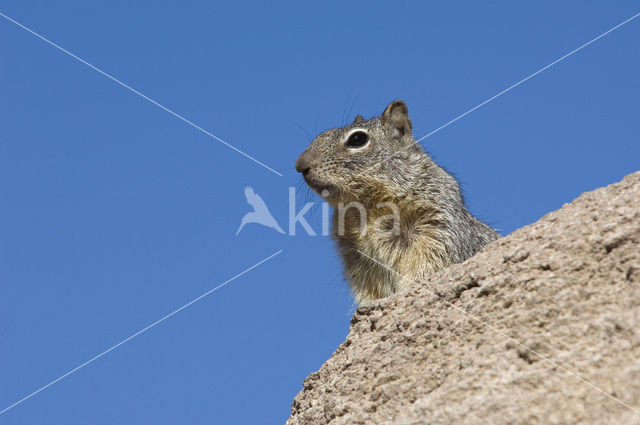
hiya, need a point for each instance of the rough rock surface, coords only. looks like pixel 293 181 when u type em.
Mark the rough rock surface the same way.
pixel 541 327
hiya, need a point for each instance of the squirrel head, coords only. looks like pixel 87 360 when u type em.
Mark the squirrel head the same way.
pixel 365 161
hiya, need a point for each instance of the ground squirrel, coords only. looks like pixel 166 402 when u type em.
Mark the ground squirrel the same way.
pixel 392 204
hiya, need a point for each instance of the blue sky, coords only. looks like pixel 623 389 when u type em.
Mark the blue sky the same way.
pixel 115 213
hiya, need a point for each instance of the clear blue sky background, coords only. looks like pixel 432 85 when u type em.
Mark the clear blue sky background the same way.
pixel 114 213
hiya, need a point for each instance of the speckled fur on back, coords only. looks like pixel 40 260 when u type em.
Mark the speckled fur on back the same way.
pixel 390 172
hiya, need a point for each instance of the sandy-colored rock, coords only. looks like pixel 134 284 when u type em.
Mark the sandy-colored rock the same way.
pixel 541 327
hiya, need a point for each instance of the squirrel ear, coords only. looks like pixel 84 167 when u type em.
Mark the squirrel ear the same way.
pixel 396 117
pixel 359 119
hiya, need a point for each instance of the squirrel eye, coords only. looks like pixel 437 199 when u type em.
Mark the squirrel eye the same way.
pixel 357 140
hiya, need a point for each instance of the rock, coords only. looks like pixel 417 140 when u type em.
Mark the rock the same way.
pixel 541 327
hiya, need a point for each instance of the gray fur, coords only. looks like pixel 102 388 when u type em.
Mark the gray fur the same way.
pixel 436 230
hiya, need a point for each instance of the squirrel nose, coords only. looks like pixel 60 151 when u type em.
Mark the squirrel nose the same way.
pixel 302 164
